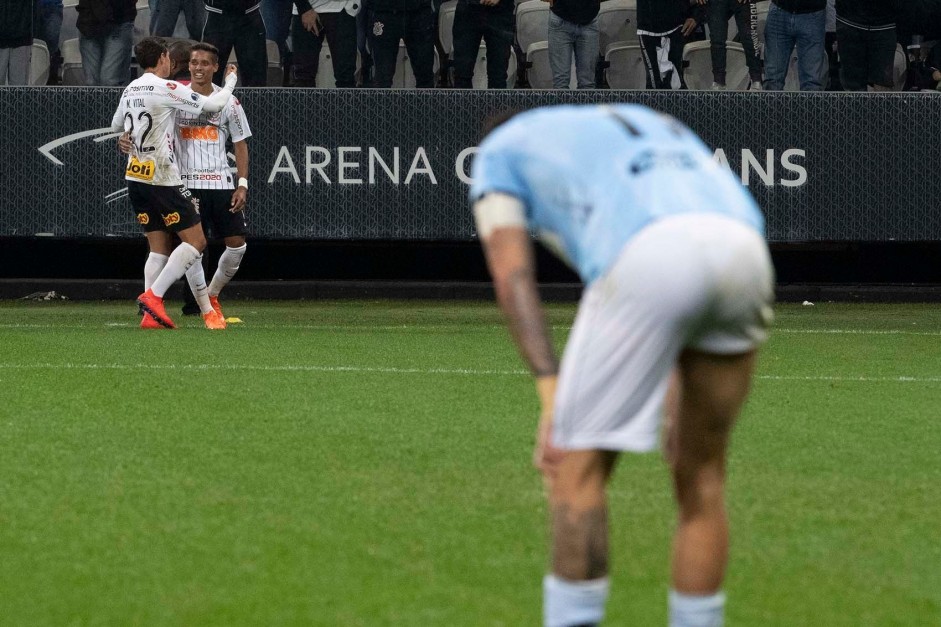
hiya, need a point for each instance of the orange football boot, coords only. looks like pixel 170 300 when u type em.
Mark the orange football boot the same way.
pixel 214 320
pixel 153 305
pixel 148 322
pixel 214 301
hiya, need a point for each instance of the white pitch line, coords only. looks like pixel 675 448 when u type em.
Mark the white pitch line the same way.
pixel 423 371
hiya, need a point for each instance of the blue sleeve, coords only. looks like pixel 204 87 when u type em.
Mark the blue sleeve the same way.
pixel 494 170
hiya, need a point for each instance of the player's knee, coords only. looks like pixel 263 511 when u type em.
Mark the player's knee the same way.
pixel 699 487
pixel 235 241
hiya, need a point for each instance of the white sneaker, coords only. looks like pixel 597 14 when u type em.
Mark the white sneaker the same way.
pixel 756 86
pixel 717 86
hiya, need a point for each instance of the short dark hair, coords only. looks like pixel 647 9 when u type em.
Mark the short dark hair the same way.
pixel 202 45
pixel 495 119
pixel 180 54
pixel 149 50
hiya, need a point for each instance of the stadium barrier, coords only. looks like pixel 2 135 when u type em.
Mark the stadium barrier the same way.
pixel 394 165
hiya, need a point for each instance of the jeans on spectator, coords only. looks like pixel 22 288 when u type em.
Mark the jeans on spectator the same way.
pixel 168 11
pixel 417 29
pixel 107 60
pixel 471 23
pixel 14 65
pixel 783 31
pixel 246 32
pixel 49 30
pixel 339 29
pixel 277 17
pixel 746 18
pixel 566 38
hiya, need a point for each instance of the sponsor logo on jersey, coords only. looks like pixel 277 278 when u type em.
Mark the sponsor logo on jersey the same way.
pixel 143 218
pixel 171 218
pixel 194 96
pixel 171 85
pixel 201 177
pixel 140 170
pixel 199 133
pixel 183 100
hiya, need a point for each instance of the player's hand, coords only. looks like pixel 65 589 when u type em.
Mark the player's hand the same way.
pixel 231 69
pixel 311 22
pixel 688 27
pixel 545 456
pixel 238 200
pixel 125 145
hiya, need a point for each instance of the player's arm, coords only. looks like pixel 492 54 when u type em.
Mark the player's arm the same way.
pixel 240 196
pixel 117 120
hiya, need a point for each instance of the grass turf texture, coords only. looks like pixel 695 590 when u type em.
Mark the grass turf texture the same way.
pixel 365 463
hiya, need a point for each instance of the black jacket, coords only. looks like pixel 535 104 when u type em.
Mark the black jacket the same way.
pixel 802 6
pixel 661 16
pixel 233 6
pixel 16 26
pixel 97 18
pixel 867 12
pixel 579 12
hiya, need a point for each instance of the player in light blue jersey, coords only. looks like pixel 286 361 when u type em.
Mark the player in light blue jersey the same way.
pixel 678 295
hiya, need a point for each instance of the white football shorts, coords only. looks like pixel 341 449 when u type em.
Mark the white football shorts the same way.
pixel 699 281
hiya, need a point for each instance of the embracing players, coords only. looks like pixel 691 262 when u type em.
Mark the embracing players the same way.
pixel 162 203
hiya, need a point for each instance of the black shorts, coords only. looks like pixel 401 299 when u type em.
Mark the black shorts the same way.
pixel 163 207
pixel 867 57
pixel 218 221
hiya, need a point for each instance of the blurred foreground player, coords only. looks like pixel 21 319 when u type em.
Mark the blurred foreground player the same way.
pixel 161 201
pixel 678 289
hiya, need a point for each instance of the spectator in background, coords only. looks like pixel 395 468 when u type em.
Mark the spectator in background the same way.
pixel 48 28
pixel 16 41
pixel 412 21
pixel 493 21
pixel 277 17
pixel 573 31
pixel 924 71
pixel 745 13
pixel 833 58
pixel 800 23
pixel 106 30
pixel 316 20
pixel 866 40
pixel 662 27
pixel 168 12
pixel 238 24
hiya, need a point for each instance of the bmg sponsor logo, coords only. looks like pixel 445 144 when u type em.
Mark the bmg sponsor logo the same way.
pixel 171 218
pixel 143 219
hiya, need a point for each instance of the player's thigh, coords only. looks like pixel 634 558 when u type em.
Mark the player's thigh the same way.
pixel 218 220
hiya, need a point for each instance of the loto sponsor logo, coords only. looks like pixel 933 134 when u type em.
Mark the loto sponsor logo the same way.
pixel 171 218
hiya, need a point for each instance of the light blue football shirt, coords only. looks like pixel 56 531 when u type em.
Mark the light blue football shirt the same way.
pixel 591 177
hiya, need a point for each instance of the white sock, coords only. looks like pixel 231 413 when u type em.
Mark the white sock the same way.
pixel 182 257
pixel 196 277
pixel 228 266
pixel 152 267
pixel 567 603
pixel 689 610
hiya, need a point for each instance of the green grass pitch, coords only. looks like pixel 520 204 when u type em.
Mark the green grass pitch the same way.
pixel 367 463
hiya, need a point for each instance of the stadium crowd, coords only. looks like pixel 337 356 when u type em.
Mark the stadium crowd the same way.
pixel 852 45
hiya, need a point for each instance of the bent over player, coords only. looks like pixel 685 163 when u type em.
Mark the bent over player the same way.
pixel 678 284
pixel 161 201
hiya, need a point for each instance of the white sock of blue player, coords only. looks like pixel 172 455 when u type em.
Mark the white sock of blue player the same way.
pixel 567 603
pixel 196 278
pixel 689 610
pixel 182 257
pixel 152 267
pixel 228 265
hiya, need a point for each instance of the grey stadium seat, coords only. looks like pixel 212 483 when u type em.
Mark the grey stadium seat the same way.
pixel 617 22
pixel 446 26
pixel 142 21
pixel 39 63
pixel 697 58
pixel 539 73
pixel 69 29
pixel 900 68
pixel 626 69
pixel 532 23
pixel 72 73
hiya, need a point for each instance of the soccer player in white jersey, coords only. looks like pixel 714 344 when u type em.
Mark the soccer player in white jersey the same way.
pixel 162 203
pixel 202 140
pixel 678 294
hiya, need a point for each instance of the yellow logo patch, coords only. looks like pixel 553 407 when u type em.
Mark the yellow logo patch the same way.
pixel 143 218
pixel 171 218
pixel 142 170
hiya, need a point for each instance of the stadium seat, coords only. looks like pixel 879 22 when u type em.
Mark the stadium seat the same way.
pixel 540 73
pixel 275 75
pixel 899 68
pixel 142 21
pixel 532 23
pixel 39 63
pixel 446 26
pixel 72 73
pixel 697 58
pixel 617 22
pixel 626 69
pixel 69 29
pixel 404 78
